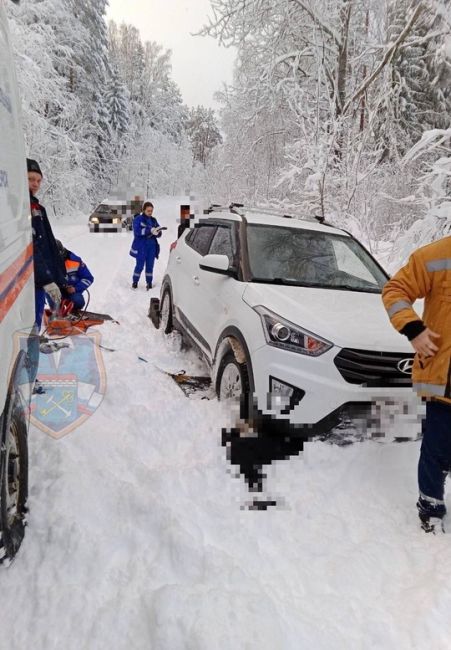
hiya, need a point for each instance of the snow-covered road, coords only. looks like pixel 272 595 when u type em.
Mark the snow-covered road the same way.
pixel 136 539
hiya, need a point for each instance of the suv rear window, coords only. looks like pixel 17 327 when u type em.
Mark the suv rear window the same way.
pixel 201 238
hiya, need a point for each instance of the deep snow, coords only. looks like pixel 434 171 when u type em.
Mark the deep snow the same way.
pixel 136 539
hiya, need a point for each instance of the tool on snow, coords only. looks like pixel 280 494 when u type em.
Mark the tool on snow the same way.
pixel 189 384
pixel 63 321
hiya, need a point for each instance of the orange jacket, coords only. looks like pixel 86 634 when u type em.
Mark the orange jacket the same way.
pixel 426 275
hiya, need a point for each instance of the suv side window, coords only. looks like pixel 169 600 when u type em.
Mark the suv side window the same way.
pixel 200 240
pixel 221 244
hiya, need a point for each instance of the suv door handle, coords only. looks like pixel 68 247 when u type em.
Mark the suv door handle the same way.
pixel 178 259
pixel 196 279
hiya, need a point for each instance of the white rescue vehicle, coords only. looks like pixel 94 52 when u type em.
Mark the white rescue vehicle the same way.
pixel 19 344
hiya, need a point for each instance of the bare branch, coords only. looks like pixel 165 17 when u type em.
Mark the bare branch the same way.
pixel 388 56
pixel 316 19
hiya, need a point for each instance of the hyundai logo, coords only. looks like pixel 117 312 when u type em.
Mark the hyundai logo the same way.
pixel 405 366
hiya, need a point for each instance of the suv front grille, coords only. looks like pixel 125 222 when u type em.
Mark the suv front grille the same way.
pixel 373 369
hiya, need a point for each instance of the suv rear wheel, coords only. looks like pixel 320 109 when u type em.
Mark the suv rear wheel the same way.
pixel 13 479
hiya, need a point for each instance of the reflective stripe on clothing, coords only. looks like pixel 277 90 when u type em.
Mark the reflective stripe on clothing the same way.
pixel 430 389
pixel 439 265
pixel 398 306
pixel 431 500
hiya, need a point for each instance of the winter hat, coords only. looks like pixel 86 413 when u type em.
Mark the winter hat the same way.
pixel 33 166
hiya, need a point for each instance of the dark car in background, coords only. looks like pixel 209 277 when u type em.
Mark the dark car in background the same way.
pixel 109 216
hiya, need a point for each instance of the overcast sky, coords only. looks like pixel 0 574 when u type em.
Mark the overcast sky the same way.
pixel 199 65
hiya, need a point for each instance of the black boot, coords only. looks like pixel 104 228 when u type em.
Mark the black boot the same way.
pixel 430 523
pixel 149 286
pixel 134 285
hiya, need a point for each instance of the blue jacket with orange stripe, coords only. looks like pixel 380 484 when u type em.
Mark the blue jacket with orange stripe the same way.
pixel 48 265
pixel 78 274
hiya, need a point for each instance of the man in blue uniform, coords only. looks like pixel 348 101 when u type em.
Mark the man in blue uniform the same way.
pixel 79 277
pixel 49 273
pixel 145 248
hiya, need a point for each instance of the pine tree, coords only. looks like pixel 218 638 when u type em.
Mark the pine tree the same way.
pixel 419 99
pixel 117 103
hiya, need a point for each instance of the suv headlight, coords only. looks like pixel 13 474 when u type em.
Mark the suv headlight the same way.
pixel 283 334
pixel 117 220
pixel 94 220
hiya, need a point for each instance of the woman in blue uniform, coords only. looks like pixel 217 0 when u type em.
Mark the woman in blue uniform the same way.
pixel 145 248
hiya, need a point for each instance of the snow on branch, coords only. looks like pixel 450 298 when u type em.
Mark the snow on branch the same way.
pixel 319 21
pixel 430 140
pixel 388 56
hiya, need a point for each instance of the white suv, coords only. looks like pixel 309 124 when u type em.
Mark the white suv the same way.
pixel 287 311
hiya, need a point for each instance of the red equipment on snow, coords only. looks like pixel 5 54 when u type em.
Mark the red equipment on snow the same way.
pixel 62 321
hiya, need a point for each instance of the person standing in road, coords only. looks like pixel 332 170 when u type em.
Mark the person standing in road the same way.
pixel 145 247
pixel 49 271
pixel 185 217
pixel 428 275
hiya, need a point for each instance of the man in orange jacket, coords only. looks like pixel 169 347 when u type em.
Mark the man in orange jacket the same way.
pixel 428 275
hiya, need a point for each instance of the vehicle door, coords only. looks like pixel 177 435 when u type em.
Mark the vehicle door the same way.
pixel 218 294
pixel 185 277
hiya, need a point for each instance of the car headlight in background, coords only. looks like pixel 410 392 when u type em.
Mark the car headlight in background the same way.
pixel 94 219
pixel 117 220
pixel 283 334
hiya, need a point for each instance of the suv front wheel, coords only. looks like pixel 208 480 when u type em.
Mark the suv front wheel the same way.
pixel 232 382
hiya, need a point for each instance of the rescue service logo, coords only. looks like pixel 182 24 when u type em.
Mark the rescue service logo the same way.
pixel 72 384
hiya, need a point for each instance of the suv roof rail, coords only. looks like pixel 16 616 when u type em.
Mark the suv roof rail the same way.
pixel 241 209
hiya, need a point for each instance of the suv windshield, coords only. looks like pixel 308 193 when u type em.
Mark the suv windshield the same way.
pixel 309 258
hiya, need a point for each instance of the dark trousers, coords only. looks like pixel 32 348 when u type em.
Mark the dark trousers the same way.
pixel 435 459
pixel 39 304
pixel 147 259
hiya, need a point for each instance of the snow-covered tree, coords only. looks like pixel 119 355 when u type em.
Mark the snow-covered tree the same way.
pixel 302 122
pixel 417 86
pixel 203 132
pixel 145 69
pixel 117 103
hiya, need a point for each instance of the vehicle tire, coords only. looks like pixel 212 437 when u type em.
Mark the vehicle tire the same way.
pixel 232 383
pixel 166 312
pixel 13 478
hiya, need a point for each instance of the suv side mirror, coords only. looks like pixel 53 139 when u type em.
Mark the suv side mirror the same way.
pixel 217 264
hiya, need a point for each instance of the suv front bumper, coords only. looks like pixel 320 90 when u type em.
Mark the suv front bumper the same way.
pixel 324 393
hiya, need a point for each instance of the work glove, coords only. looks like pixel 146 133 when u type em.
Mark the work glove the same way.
pixel 53 291
pixel 155 231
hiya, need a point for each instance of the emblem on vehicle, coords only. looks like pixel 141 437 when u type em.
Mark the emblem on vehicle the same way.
pixel 405 366
pixel 74 383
